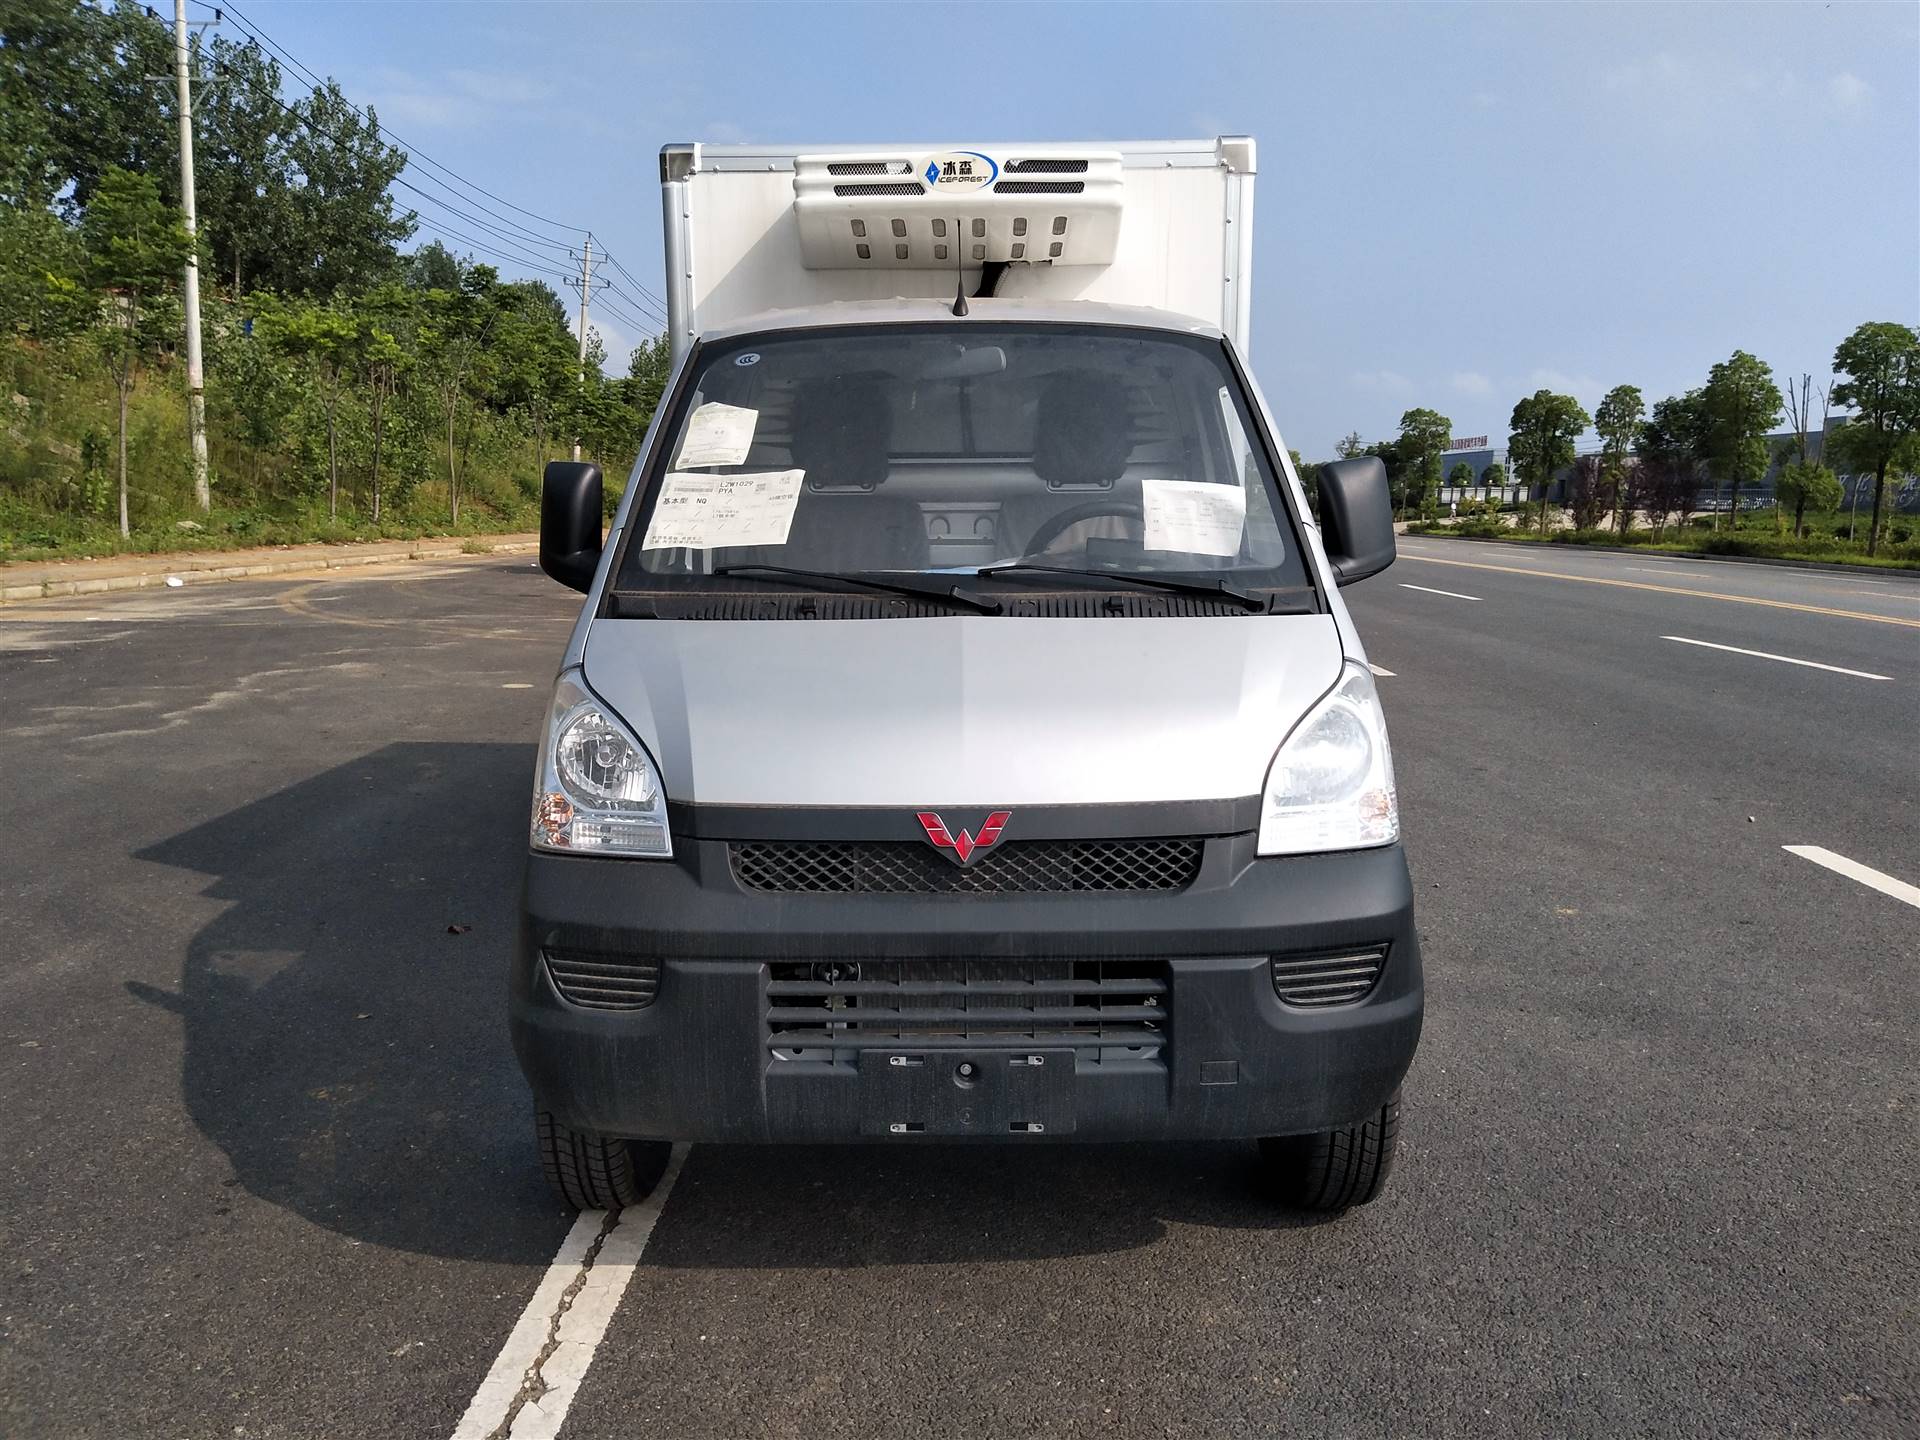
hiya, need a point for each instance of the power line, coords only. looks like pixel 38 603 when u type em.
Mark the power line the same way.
pixel 413 151
pixel 634 281
pixel 643 307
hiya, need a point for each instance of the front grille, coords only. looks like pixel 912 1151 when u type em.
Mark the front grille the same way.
pixel 895 187
pixel 879 867
pixel 1331 978
pixel 604 982
pixel 1092 1005
pixel 1040 187
pixel 867 167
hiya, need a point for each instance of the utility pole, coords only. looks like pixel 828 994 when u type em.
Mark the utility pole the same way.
pixel 190 295
pixel 586 294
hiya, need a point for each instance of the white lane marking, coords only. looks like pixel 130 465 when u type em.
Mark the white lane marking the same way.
pixel 547 1354
pixel 1378 671
pixel 1667 570
pixel 517 685
pixel 1783 659
pixel 1854 870
pixel 1452 594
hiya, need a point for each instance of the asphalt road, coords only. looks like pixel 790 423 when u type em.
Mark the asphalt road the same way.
pixel 266 1168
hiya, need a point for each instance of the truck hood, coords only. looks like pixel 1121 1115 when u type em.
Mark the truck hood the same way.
pixel 963 710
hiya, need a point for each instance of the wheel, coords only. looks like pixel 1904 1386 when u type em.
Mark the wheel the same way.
pixel 597 1172
pixel 1334 1169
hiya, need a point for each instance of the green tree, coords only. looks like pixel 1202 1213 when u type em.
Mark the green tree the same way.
pixel 1350 445
pixel 1673 444
pixel 1495 476
pixel 1742 404
pixel 1543 428
pixel 1618 419
pixel 1806 486
pixel 387 326
pixel 43 275
pixel 1879 366
pixel 243 178
pixel 1424 437
pixel 341 224
pixel 325 339
pixel 455 327
pixel 1461 477
pixel 136 247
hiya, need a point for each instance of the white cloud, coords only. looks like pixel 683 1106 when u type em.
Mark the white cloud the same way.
pixel 459 99
pixel 1562 383
pixel 1388 381
pixel 1472 382
pixel 1849 91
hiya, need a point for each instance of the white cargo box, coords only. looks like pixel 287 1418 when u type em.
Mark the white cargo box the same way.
pixel 749 228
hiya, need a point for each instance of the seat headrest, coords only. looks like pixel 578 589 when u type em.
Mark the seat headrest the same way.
pixel 843 432
pixel 1083 432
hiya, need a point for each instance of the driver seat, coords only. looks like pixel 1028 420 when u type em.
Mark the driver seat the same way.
pixel 1083 436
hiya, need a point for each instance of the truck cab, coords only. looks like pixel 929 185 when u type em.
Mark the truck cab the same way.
pixel 963 739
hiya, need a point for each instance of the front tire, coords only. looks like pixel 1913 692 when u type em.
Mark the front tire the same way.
pixel 1334 1169
pixel 597 1172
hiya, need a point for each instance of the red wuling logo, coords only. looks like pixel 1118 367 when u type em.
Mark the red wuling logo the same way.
pixel 962 845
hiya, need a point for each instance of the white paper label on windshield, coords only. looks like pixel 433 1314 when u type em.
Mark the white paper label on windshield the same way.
pixel 704 512
pixel 1192 517
pixel 717 435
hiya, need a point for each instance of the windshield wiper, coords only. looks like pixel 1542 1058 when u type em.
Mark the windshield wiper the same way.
pixel 863 580
pixel 1212 589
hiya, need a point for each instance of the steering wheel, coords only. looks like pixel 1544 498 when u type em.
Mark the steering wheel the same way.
pixel 1052 529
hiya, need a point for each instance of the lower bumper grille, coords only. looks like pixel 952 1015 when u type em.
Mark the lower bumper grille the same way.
pixel 1092 1005
pixel 1330 978
pixel 604 982
pixel 1019 867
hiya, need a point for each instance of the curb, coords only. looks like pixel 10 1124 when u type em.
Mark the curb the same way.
pixel 1907 572
pixel 192 573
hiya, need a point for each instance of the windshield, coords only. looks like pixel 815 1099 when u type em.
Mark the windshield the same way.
pixel 945 450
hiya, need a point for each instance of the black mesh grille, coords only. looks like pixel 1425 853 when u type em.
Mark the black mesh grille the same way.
pixel 1040 187
pixel 1334 978
pixel 861 867
pixel 845 1004
pixel 1046 167
pixel 866 167
pixel 896 187
pixel 604 982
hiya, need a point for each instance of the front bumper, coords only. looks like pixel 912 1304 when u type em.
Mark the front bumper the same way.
pixel 700 1062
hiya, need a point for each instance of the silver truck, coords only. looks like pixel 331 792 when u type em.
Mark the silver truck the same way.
pixel 964 738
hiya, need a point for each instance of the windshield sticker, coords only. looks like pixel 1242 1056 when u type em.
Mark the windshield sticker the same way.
pixel 717 435
pixel 752 357
pixel 705 512
pixel 1191 517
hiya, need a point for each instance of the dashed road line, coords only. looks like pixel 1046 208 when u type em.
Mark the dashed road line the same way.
pixel 1854 870
pixel 1452 594
pixel 1783 659
pixel 1379 671
pixel 1666 590
pixel 1667 570
pixel 538 1372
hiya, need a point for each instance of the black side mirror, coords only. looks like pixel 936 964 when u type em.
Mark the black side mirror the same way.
pixel 570 522
pixel 1356 517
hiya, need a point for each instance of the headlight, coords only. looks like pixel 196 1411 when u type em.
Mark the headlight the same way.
pixel 1331 786
pixel 597 791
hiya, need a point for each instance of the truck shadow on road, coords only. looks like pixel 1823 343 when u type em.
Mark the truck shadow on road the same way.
pixel 346 1048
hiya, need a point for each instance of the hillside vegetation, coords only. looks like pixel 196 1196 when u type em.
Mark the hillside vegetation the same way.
pixel 354 387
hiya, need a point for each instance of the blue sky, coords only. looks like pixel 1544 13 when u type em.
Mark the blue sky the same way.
pixel 1457 204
